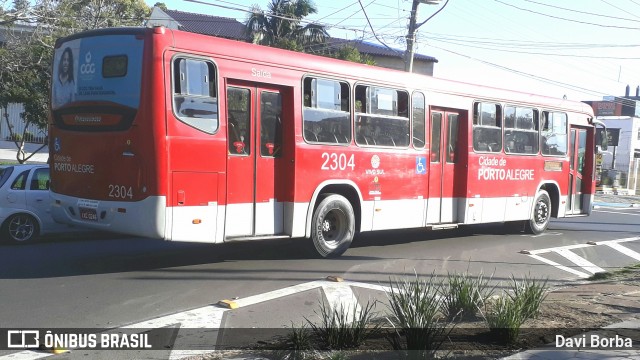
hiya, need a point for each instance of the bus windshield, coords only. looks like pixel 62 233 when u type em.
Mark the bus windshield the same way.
pixel 102 71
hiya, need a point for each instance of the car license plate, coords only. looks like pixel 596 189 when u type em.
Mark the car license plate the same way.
pixel 88 214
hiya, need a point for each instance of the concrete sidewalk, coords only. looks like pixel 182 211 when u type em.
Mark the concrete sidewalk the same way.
pixel 605 200
pixel 9 150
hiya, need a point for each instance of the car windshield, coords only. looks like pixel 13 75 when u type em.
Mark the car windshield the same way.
pixel 5 173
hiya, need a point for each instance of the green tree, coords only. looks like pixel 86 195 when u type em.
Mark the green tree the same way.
pixel 161 5
pixel 350 53
pixel 80 15
pixel 282 25
pixel 25 59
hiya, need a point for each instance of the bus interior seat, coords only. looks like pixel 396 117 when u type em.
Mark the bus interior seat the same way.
pixel 310 135
pixel 337 133
pixel 327 137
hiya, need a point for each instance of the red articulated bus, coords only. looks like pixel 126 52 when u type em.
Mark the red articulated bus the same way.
pixel 179 136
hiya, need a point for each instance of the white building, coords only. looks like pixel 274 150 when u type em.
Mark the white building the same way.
pixel 621 115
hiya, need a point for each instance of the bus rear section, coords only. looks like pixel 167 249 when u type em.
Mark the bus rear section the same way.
pixel 97 138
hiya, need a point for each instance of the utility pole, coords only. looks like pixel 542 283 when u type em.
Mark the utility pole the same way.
pixel 411 36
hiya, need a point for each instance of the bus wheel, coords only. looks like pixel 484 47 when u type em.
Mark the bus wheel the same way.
pixel 541 214
pixel 333 226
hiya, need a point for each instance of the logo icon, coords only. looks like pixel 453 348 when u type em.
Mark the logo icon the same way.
pixel 421 165
pixel 88 68
pixel 375 161
pixel 56 144
pixel 23 339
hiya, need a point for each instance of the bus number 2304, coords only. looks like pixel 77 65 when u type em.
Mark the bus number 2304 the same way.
pixel 120 192
pixel 333 161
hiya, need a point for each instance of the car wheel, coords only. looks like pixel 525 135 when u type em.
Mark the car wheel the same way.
pixel 541 214
pixel 20 228
pixel 333 226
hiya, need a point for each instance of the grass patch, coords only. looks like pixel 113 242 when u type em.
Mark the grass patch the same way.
pixel 507 313
pixel 529 293
pixel 342 329
pixel 415 306
pixel 299 339
pixel 612 274
pixel 505 319
pixel 422 312
pixel 463 295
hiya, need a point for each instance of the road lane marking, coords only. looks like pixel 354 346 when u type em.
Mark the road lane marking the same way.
pixel 275 294
pixel 210 317
pixel 369 286
pixel 26 355
pixel 555 249
pixel 615 244
pixel 624 250
pixel 565 251
pixel 604 242
pixel 580 261
pixel 561 267
pixel 207 317
pixel 342 300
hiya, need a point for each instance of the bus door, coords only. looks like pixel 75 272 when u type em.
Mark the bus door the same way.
pixel 442 206
pixel 579 176
pixel 254 136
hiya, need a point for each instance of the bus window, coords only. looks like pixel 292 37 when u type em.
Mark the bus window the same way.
pixel 418 120
pixel 554 133
pixel 520 130
pixel 382 117
pixel 114 66
pixel 195 101
pixel 487 127
pixel 327 118
pixel 452 137
pixel 270 124
pixel 436 126
pixel 239 121
pixel 97 82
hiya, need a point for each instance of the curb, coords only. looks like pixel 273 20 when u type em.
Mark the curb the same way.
pixel 598 205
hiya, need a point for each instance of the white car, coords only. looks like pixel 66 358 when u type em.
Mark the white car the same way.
pixel 25 204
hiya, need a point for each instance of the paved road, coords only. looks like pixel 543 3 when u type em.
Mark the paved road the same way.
pixel 148 283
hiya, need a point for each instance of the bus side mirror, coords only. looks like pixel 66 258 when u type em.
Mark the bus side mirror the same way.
pixel 604 140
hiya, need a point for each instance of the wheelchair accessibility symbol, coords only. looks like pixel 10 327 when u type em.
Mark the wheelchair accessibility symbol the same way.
pixel 421 165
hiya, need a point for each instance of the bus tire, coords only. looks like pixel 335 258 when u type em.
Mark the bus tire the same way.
pixel 333 226
pixel 541 213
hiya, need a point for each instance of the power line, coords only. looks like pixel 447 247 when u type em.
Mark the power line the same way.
pixel 528 44
pixel 373 31
pixel 380 36
pixel 580 12
pixel 522 73
pixel 621 9
pixel 461 43
pixel 565 19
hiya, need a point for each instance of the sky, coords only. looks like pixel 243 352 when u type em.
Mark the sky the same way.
pixel 579 49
